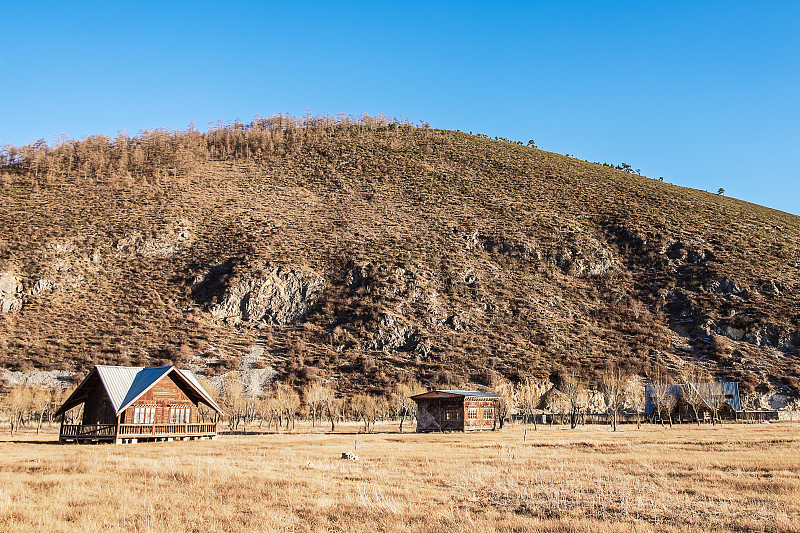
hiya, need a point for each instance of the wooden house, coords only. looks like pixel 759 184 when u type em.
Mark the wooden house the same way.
pixel 456 410
pixel 130 404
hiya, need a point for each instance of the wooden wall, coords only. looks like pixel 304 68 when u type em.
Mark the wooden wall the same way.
pixel 98 408
pixel 452 414
pixel 481 422
pixel 432 415
pixel 163 394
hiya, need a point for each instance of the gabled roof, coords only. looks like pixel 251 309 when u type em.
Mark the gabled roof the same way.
pixel 444 393
pixel 125 384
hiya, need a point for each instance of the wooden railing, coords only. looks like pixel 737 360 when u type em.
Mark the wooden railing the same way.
pixel 89 430
pixel 166 429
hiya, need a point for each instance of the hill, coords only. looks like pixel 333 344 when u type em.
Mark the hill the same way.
pixel 368 252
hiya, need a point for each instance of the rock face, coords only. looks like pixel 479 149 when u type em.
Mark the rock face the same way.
pixel 41 286
pixel 10 292
pixel 395 336
pixel 591 259
pixel 165 244
pixel 728 287
pixel 583 257
pixel 50 379
pixel 275 296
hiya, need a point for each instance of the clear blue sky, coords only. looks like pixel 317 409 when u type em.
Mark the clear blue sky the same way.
pixel 705 94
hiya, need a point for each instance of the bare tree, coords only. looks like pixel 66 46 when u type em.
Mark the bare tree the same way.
pixel 714 396
pixel 42 403
pixel 573 389
pixel 505 390
pixel 403 404
pixel 691 378
pixel 288 401
pixel 364 408
pixel 635 396
pixel 314 398
pixel 662 395
pixel 528 396
pixel 232 400
pixel 15 403
pixel 612 387
pixel 333 408
pixel 557 403
pixel 203 411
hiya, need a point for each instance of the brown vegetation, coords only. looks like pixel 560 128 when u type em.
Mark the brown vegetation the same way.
pixel 731 478
pixel 447 258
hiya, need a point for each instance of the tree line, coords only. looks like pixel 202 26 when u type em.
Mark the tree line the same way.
pixel 565 398
pixel 153 155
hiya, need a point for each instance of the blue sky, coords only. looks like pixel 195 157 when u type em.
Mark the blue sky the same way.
pixel 704 94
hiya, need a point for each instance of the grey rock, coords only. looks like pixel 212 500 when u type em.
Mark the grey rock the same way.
pixel 728 287
pixel 278 296
pixel 393 335
pixel 772 288
pixel 585 257
pixel 165 244
pixel 761 335
pixel 10 292
pixel 41 286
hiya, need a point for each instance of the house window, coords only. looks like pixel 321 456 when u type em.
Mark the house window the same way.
pixel 144 414
pixel 488 414
pixel 179 414
pixel 472 413
pixel 451 414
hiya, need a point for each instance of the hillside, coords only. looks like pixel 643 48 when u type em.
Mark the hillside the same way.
pixel 369 252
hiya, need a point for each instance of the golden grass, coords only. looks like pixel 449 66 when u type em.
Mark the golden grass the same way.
pixel 726 478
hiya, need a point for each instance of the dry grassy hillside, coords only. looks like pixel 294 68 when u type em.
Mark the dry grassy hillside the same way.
pixel 372 252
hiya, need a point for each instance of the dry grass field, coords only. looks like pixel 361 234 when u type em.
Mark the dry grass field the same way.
pixel 725 478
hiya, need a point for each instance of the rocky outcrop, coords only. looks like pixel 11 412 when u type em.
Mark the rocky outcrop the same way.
pixel 273 296
pixel 589 260
pixel 761 335
pixel 679 252
pixel 728 288
pixel 583 256
pixel 395 336
pixel 166 244
pixel 41 286
pixel 772 288
pixel 46 379
pixel 10 292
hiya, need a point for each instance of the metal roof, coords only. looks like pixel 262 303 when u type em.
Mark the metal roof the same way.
pixel 124 384
pixel 145 378
pixel 470 393
pixel 465 393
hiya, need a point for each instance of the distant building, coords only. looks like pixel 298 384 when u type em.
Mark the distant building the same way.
pixel 129 404
pixel 456 410
pixel 702 400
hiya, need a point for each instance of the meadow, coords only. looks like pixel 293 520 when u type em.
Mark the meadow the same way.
pixel 721 478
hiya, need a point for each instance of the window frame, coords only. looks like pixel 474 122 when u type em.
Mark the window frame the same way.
pixel 452 414
pixel 179 414
pixel 144 414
